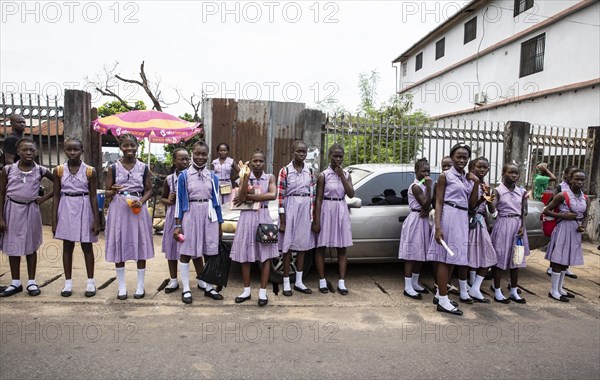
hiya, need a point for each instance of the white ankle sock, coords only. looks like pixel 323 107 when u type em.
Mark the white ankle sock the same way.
pixel 437 293
pixel 121 281
pixel 91 285
pixel 202 284
pixel 464 290
pixel 555 284
pixel 262 294
pixel 286 284
pixel 561 291
pixel 498 293
pixel 68 286
pixel 246 293
pixel 475 290
pixel 515 292
pixel 322 283
pixel 549 271
pixel 415 282
pixel 341 284
pixel 209 287
pixel 16 283
pixel 472 275
pixel 184 271
pixel 31 282
pixel 408 287
pixel 141 273
pixel 445 302
pixel 568 271
pixel 172 283
pixel 299 282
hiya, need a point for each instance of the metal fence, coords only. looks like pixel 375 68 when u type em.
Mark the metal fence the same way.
pixel 44 119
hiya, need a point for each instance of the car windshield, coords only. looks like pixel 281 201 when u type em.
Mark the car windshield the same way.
pixel 357 174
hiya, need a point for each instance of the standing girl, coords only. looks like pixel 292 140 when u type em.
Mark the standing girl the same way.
pixel 510 202
pixel 564 248
pixel 297 189
pixel 332 219
pixel 245 248
pixel 75 213
pixel 198 216
pixel 227 171
pixel 456 193
pixel 416 234
pixel 480 253
pixel 20 218
pixel 128 225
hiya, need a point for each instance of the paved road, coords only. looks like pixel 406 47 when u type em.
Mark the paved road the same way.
pixel 374 332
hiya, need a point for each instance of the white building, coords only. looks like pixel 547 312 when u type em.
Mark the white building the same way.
pixel 527 60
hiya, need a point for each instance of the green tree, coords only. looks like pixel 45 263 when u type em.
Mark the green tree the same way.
pixel 169 148
pixel 115 107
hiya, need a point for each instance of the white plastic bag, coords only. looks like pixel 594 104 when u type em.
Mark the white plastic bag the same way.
pixel 518 252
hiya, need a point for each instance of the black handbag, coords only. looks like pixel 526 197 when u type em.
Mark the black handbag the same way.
pixel 267 233
pixel 216 268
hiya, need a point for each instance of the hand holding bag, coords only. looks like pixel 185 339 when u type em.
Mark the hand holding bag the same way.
pixel 267 233
pixel 518 251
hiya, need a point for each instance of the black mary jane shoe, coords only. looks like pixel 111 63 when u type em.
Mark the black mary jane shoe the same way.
pixel 454 311
pixel 139 296
pixel 34 291
pixel 468 301
pixel 90 293
pixel 517 300
pixel 504 300
pixel 171 290
pixel 287 293
pixel 437 301
pixel 561 299
pixel 213 294
pixel 518 289
pixel 11 290
pixel 571 275
pixel 424 291
pixel 569 295
pixel 417 296
pixel 242 299
pixel 66 293
pixel 480 300
pixel 324 290
pixel 262 302
pixel 186 299
pixel 122 297
pixel 305 290
pixel 344 291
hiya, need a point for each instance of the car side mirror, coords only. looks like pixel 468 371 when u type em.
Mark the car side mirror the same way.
pixel 354 202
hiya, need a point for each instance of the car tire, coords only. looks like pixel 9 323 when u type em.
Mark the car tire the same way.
pixel 276 271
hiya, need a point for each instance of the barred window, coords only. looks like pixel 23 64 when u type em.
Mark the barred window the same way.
pixel 521 6
pixel 440 48
pixel 532 55
pixel 470 30
pixel 404 68
pixel 419 62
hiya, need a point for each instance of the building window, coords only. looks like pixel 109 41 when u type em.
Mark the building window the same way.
pixel 521 6
pixel 419 63
pixel 404 68
pixel 532 55
pixel 470 30
pixel 440 48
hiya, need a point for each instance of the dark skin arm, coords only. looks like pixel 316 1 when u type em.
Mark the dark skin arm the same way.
pixel 169 199
pixel 56 185
pixel 424 198
pixel 3 181
pixel 270 195
pixel 111 188
pixel 346 182
pixel 147 191
pixel 523 213
pixel 235 173
pixel 316 225
pixel 439 206
pixel 474 191
pixel 583 225
pixel 43 199
pixel 557 200
pixel 93 187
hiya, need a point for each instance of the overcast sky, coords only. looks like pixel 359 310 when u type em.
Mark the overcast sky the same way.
pixel 302 51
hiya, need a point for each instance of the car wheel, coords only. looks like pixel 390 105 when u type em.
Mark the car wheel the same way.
pixel 276 272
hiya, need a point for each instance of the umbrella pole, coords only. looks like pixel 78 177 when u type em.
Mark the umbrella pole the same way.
pixel 149 153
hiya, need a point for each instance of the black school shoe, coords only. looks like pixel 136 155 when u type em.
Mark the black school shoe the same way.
pixel 90 293
pixel 262 302
pixel 454 311
pixel 11 290
pixel 517 300
pixel 417 296
pixel 437 301
pixel 34 291
pixel 171 290
pixel 66 293
pixel 213 294
pixel 242 299
pixel 305 291
pixel 186 299
pixel 561 299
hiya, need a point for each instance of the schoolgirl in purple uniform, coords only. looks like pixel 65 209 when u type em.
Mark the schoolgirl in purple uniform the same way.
pixel 20 218
pixel 75 213
pixel 226 169
pixel 564 248
pixel 245 248
pixel 198 217
pixel 129 234
pixel 510 201
pixel 332 219
pixel 456 193
pixel 416 233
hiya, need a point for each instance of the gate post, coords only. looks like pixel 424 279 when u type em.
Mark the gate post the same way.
pixel 516 146
pixel 592 161
pixel 313 121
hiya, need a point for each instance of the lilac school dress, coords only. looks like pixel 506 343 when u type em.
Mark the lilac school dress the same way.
pixel 201 234
pixel 223 171
pixel 335 218
pixel 415 235
pixel 481 253
pixel 170 247
pixel 565 243
pixel 128 235
pixel 245 248
pixel 75 214
pixel 23 234
pixel 297 204
pixel 507 225
pixel 455 221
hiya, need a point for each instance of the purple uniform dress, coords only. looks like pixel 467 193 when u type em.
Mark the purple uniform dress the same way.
pixel 504 232
pixel 298 235
pixel 23 234
pixel 455 221
pixel 223 171
pixel 201 234
pixel 565 243
pixel 335 218
pixel 564 186
pixel 481 253
pixel 75 214
pixel 128 235
pixel 170 246
pixel 415 234
pixel 245 248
